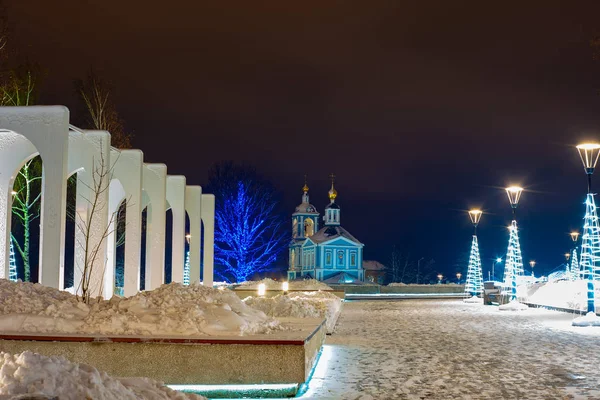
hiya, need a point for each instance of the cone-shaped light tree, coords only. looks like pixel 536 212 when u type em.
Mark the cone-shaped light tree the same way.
pixel 513 269
pixel 590 240
pixel 474 283
pixel 573 271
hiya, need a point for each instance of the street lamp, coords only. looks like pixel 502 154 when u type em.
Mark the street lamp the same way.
pixel 590 247
pixel 497 261
pixel 532 264
pixel 440 276
pixel 573 269
pixel 458 275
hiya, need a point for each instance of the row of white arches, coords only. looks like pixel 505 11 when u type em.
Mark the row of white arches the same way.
pixel 26 132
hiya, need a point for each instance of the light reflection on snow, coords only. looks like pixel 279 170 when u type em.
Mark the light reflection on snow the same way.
pixel 319 374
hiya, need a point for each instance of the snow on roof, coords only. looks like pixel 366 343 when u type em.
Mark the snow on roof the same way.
pixel 306 208
pixel 372 265
pixel 343 277
pixel 332 232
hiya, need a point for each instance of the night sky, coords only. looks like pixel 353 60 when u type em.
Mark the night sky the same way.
pixel 421 109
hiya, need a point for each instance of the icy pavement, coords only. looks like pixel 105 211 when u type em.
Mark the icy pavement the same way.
pixel 425 349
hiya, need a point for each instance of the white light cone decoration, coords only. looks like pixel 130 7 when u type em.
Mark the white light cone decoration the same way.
pixel 186 269
pixel 590 260
pixel 474 282
pixel 513 270
pixel 12 266
pixel 574 272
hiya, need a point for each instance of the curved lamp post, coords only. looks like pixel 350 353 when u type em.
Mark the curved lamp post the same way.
pixel 514 260
pixel 590 240
pixel 474 282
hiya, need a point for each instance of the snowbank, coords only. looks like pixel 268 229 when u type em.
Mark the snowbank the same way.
pixel 270 284
pixel 300 305
pixel 56 377
pixel 562 294
pixel 172 309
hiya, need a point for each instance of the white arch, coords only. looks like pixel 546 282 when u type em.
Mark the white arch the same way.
pixel 87 150
pixel 176 199
pixel 47 130
pixel 208 219
pixel 128 170
pixel 193 206
pixel 154 182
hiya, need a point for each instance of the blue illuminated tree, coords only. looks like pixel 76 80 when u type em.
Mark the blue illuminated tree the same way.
pixel 249 234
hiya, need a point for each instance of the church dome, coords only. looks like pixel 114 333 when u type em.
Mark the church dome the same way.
pixel 306 208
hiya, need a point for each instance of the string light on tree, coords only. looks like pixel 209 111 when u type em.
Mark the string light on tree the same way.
pixel 590 240
pixel 12 266
pixel 474 283
pixel 186 267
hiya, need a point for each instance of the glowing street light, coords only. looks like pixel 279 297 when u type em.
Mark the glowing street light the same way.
pixel 574 236
pixel 458 275
pixel 532 264
pixel 285 286
pixel 440 276
pixel 590 240
pixel 262 289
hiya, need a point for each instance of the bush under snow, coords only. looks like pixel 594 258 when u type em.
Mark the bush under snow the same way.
pixel 172 309
pixel 56 377
pixel 300 305
pixel 270 284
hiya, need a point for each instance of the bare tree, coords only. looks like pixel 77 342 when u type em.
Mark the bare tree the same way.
pixel 26 206
pixel 96 95
pixel 91 242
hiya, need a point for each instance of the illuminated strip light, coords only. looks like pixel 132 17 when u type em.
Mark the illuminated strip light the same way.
pixel 474 283
pixel 234 388
pixel 514 264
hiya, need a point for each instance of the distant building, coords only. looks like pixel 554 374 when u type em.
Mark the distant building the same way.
pixel 323 253
pixel 374 271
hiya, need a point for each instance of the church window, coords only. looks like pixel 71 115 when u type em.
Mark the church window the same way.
pixel 353 259
pixel 340 257
pixel 328 258
pixel 309 227
pixel 295 228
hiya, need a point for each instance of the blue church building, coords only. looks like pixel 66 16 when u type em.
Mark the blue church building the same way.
pixel 330 253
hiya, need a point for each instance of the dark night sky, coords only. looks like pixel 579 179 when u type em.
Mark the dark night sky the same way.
pixel 421 109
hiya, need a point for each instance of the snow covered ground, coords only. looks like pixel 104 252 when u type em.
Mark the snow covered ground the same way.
pixel 55 377
pixel 426 349
pixel 300 305
pixel 307 284
pixel 171 310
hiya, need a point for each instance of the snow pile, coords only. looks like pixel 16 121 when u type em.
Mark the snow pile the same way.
pixel 474 299
pixel 56 377
pixel 172 309
pixel 397 284
pixel 513 305
pixel 300 305
pixel 562 294
pixel 270 284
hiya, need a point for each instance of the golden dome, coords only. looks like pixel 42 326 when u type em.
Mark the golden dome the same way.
pixel 305 188
pixel 332 192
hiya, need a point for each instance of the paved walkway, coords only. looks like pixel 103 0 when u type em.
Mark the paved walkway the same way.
pixel 424 349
